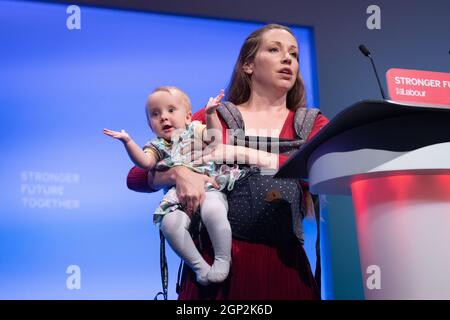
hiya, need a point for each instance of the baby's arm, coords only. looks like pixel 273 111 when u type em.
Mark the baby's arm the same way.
pixel 137 155
pixel 213 125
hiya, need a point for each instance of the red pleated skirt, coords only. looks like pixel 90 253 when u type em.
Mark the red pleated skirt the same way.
pixel 258 272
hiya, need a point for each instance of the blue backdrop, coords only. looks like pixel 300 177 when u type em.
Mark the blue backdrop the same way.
pixel 69 227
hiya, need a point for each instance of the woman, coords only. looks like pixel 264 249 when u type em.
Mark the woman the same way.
pixel 267 89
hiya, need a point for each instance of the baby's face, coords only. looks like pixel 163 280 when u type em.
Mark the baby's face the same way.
pixel 167 112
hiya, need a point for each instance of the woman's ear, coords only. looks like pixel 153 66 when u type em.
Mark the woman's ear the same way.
pixel 248 68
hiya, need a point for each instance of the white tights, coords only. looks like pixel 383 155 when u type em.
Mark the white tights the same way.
pixel 213 212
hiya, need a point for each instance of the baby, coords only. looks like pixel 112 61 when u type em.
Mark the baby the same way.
pixel 169 116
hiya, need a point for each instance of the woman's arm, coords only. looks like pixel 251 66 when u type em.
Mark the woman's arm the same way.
pixel 190 185
pixel 149 181
pixel 242 155
pixel 225 153
pixel 137 180
pixel 259 158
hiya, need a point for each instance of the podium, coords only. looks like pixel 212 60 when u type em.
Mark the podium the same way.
pixel 394 160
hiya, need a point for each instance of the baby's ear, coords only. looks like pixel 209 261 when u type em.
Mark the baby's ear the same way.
pixel 148 117
pixel 188 117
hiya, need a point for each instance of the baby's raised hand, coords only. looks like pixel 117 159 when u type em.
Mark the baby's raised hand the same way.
pixel 120 135
pixel 213 103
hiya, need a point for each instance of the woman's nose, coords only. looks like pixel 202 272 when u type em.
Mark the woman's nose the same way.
pixel 287 59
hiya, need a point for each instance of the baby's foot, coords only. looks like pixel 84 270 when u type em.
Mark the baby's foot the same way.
pixel 219 270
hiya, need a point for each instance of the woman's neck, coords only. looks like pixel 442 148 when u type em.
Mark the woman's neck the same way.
pixel 261 100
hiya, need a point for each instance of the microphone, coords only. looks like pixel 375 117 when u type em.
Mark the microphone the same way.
pixel 366 52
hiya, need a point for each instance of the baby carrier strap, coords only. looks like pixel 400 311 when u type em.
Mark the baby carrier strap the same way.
pixel 231 115
pixel 163 267
pixel 194 230
pixel 303 122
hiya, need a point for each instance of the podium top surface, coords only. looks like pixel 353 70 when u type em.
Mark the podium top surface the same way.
pixel 358 114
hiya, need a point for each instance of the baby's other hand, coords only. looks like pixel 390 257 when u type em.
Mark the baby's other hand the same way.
pixel 213 103
pixel 119 135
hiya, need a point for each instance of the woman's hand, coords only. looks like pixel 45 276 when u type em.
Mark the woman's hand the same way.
pixel 191 188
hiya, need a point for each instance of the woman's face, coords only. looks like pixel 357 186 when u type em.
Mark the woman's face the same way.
pixel 275 65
